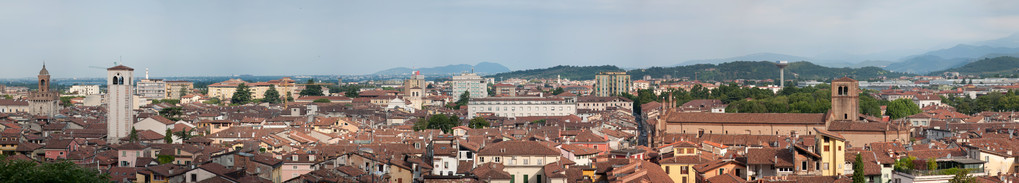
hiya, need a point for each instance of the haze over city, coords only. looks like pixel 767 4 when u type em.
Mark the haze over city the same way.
pixel 203 38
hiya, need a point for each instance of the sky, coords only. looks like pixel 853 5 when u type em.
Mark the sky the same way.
pixel 221 38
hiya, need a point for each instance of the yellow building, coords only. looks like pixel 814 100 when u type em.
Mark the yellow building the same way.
pixel 680 167
pixel 831 146
pixel 225 90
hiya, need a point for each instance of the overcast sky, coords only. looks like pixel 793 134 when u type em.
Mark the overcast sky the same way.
pixel 202 38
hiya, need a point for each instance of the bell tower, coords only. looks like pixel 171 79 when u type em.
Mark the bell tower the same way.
pixel 845 98
pixel 44 79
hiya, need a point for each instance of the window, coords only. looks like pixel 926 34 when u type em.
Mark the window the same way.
pixel 295 167
pixel 825 166
pixel 684 179
pixel 194 177
pixel 825 148
pixel 482 159
pixel 684 169
pixel 721 171
pixel 804 167
pixel 526 162
pixel 540 161
pixel 525 178
pixel 666 169
pixel 496 159
pixel 513 178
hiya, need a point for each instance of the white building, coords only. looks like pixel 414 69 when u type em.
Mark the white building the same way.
pixel 85 89
pixel 119 102
pixel 521 106
pixel 151 88
pixel 470 82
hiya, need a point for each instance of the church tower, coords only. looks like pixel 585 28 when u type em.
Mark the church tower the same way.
pixel 845 98
pixel 119 99
pixel 43 102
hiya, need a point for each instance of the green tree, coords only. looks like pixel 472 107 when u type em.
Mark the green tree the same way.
pixel 183 91
pixel 168 138
pixel 290 97
pixel 540 121
pixel 133 136
pixel 171 113
pixel 8 97
pixel 214 100
pixel 272 96
pixel 558 90
pixel 242 95
pixel 184 135
pixel 439 121
pixel 311 89
pixel 932 164
pixel 321 100
pixel 464 98
pixel 858 176
pixel 164 159
pixel 870 105
pixel 901 108
pixel 962 176
pixel 905 163
pixel 60 171
pixel 478 122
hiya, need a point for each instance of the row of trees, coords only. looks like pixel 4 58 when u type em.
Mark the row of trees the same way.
pixel 446 123
pixel 811 99
pixel 61 171
pixel 1008 101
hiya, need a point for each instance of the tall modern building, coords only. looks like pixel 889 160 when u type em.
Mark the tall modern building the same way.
pixel 151 88
pixel 43 102
pixel 120 100
pixel 470 82
pixel 611 83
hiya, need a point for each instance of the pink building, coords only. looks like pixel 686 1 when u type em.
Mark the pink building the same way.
pixel 128 154
pixel 296 164
pixel 58 149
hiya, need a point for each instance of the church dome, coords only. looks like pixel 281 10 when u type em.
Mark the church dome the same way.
pixel 44 71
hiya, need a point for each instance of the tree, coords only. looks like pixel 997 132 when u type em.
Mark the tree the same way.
pixel 901 108
pixel 242 95
pixel 905 163
pixel 272 96
pixel 962 176
pixel 558 90
pixel 290 97
pixel 168 138
pixel 858 176
pixel 133 136
pixel 214 100
pixel 438 121
pixel 932 164
pixel 184 135
pixel 311 89
pixel 477 123
pixel 171 113
pixel 321 100
pixel 60 171
pixel 183 91
pixel 164 159
pixel 464 98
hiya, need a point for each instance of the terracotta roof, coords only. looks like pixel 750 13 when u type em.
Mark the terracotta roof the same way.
pixel 829 134
pixel 120 67
pixel 518 148
pixel 780 157
pixel 726 178
pixel 579 150
pixel 769 118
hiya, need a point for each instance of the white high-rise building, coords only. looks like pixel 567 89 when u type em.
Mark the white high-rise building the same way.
pixel 120 99
pixel 84 89
pixel 470 82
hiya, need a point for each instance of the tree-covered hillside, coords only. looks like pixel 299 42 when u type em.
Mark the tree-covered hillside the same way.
pixel 566 72
pixel 762 70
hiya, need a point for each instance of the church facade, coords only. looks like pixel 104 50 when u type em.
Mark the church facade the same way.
pixel 842 118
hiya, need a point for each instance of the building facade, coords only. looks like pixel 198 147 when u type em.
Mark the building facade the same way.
pixel 84 89
pixel 119 102
pixel 470 82
pixel 512 107
pixel 225 90
pixel 176 89
pixel 611 83
pixel 151 88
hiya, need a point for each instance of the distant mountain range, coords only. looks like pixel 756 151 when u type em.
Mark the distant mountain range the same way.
pixel 483 68
pixel 936 60
pixel 562 71
pixel 998 66
pixel 762 70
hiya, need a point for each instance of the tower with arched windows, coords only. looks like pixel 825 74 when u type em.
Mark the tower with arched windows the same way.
pixel 845 98
pixel 119 99
pixel 43 102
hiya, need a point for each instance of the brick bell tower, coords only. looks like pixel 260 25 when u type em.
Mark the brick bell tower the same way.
pixel 845 98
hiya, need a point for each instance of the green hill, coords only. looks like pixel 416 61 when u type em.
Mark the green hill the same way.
pixel 566 72
pixel 1005 65
pixel 762 70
